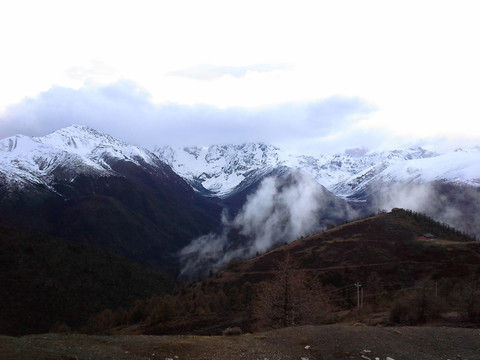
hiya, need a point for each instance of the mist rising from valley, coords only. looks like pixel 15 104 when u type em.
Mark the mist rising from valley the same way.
pixel 281 210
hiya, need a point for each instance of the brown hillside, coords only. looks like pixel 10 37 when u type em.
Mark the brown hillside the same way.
pixel 387 243
pixel 405 279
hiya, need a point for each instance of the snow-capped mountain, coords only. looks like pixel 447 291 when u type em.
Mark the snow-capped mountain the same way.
pixel 63 155
pixel 460 166
pixel 221 169
pixel 445 186
pixel 86 186
pixel 81 185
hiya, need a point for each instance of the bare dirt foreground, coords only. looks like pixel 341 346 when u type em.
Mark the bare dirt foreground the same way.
pixel 301 343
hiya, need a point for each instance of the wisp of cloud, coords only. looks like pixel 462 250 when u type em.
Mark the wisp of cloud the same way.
pixel 453 204
pixel 281 210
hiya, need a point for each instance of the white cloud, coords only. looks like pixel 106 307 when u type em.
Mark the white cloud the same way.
pixel 126 111
pixel 212 72
pixel 415 62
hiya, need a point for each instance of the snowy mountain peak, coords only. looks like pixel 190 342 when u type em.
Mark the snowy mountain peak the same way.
pixel 11 144
pixel 63 155
pixel 90 143
pixel 79 139
pixel 222 168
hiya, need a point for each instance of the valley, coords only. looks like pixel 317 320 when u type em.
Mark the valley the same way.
pixel 101 237
pixel 259 180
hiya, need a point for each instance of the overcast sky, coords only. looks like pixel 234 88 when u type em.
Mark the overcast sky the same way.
pixel 303 75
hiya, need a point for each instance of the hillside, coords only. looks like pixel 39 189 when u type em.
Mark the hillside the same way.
pixel 385 254
pixel 46 282
pixel 49 283
pixel 386 243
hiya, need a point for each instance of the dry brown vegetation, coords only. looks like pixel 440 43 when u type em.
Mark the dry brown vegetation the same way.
pixel 311 281
pixel 290 298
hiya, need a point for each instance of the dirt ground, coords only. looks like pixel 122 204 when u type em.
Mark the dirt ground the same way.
pixel 300 343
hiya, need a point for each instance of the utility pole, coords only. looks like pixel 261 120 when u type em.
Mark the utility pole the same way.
pixel 358 285
pixel 361 302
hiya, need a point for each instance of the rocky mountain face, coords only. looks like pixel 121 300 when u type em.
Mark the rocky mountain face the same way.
pixel 220 170
pixel 82 185
pixel 66 154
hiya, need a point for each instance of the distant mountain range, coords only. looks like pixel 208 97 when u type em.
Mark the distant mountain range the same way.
pixel 86 186
pixel 446 186
pixel 221 170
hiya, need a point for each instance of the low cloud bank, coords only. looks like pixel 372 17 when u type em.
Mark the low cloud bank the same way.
pixel 281 210
pixel 127 112
pixel 453 204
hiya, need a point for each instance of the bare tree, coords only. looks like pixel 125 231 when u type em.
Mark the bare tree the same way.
pixel 290 298
pixel 374 286
pixel 470 296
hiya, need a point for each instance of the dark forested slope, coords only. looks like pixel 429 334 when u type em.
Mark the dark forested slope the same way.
pixel 46 281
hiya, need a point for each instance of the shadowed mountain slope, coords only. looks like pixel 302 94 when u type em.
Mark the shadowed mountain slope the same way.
pixel 46 281
pixel 79 184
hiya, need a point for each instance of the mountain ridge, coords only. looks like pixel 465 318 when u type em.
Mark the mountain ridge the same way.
pixel 217 170
pixel 87 186
pixel 44 160
pixel 81 185
pixel 220 169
